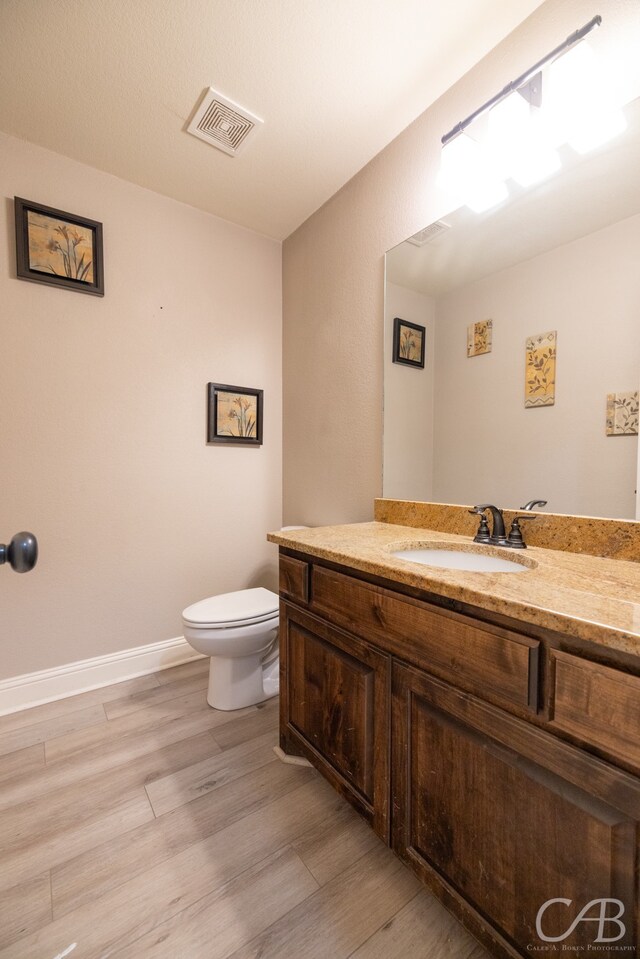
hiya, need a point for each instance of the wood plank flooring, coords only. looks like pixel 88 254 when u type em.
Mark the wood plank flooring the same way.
pixel 136 821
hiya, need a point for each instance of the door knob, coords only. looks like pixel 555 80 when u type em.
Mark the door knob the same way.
pixel 21 553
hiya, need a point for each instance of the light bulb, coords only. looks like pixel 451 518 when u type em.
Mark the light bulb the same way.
pixel 516 143
pixel 580 105
pixel 465 173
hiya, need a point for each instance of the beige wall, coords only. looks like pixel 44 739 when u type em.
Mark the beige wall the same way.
pixel 333 269
pixel 589 292
pixel 102 419
pixel 408 401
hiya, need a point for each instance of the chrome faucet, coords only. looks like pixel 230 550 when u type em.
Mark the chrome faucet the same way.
pixel 498 535
pixel 531 505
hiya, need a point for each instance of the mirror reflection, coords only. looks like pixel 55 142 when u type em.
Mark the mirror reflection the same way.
pixel 562 258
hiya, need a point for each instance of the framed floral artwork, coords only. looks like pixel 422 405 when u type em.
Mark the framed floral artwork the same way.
pixel 479 338
pixel 540 366
pixel 408 343
pixel 58 248
pixel 234 415
pixel 622 414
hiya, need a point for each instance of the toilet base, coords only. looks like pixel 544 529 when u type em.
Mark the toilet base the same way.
pixel 237 682
pixel 271 678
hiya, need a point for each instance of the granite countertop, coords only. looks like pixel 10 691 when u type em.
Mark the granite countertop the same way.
pixel 594 599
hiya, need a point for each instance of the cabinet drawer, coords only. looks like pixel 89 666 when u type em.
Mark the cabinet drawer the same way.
pixel 294 578
pixel 598 705
pixel 479 657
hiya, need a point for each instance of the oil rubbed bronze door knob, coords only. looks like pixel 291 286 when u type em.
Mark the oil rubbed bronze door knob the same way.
pixel 21 553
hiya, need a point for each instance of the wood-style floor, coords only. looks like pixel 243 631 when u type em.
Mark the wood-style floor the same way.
pixel 136 821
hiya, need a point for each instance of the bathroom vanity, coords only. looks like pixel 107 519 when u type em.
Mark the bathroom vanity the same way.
pixel 486 725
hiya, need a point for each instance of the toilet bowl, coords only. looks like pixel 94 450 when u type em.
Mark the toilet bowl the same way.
pixel 239 631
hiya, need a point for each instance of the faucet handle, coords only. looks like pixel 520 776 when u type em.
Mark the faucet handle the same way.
pixel 514 538
pixel 483 535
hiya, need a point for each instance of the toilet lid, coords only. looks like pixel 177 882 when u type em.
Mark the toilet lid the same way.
pixel 240 608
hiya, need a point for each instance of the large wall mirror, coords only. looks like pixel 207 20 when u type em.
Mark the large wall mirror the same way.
pixel 563 256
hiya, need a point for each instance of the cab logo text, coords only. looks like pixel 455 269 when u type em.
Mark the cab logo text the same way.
pixel 604 916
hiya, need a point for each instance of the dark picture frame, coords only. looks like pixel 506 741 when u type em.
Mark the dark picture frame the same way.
pixel 409 340
pixel 58 248
pixel 234 415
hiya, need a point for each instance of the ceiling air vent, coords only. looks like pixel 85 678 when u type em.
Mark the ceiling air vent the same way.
pixel 429 233
pixel 222 123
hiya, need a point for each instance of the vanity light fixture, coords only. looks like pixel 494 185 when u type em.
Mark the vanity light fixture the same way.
pixel 517 143
pixel 581 105
pixel 526 123
pixel 464 170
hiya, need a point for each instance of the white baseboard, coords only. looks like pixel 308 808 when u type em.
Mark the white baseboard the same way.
pixel 291 760
pixel 33 689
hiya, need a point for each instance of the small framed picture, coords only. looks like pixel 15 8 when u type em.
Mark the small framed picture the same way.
pixel 58 248
pixel 408 343
pixel 622 414
pixel 479 336
pixel 234 415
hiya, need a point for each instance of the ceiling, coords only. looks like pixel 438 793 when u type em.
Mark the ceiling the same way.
pixel 113 83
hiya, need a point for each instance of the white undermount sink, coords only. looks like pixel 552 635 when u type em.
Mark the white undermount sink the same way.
pixel 469 561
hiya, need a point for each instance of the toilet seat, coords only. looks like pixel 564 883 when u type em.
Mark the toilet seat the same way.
pixel 244 607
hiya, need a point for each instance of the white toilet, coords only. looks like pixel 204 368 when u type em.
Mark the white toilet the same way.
pixel 239 631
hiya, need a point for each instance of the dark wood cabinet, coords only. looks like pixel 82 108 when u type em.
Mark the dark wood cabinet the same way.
pixel 334 709
pixel 597 706
pixel 504 818
pixel 500 664
pixel 500 765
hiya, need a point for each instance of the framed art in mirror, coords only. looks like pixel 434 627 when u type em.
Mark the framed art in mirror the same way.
pixel 58 248
pixel 408 343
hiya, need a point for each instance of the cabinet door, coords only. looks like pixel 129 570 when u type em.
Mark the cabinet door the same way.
pixel 335 710
pixel 499 818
